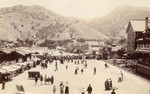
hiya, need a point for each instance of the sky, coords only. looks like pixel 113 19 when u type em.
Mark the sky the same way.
pixel 85 9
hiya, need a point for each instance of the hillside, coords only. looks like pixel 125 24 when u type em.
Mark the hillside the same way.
pixel 35 22
pixel 115 22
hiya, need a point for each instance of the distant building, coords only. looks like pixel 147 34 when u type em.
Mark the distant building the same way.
pixel 12 56
pixel 134 31
pixel 79 47
pixel 94 45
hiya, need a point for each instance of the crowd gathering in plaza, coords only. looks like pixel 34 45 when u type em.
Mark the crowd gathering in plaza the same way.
pixel 64 88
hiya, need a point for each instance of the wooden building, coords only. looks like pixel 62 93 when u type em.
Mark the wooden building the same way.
pixel 138 44
pixel 134 31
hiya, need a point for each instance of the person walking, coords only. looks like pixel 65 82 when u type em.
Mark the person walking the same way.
pixel 75 62
pixel 36 79
pixel 85 65
pixel 76 71
pixel 82 71
pixel 120 79
pixel 107 85
pixel 94 71
pixel 78 62
pixel 110 83
pixel 113 92
pixel 56 66
pixel 41 79
pixel 61 88
pixel 66 67
pixel 45 79
pixel 52 79
pixel 67 89
pixel 54 89
pixel 48 80
pixel 121 74
pixel 89 89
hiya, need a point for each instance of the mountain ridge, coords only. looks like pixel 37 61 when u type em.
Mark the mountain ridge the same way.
pixel 116 21
pixel 24 22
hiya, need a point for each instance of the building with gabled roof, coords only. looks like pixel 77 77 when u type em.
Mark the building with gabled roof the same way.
pixel 138 43
pixel 134 31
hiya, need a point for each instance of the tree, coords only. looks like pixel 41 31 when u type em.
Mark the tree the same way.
pixel 122 40
pixel 121 52
pixel 81 40
pixel 109 42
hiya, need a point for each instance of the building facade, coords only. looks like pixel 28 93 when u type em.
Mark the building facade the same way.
pixel 134 31
pixel 138 43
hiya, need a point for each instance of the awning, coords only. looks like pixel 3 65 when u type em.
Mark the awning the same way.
pixel 8 68
pixel 7 51
pixel 22 52
pixel 29 62
pixel 16 67
pixel 3 71
pixel 21 64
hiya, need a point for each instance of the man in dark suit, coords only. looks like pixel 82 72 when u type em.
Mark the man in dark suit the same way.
pixel 89 89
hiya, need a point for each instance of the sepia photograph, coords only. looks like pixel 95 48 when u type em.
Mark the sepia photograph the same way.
pixel 74 46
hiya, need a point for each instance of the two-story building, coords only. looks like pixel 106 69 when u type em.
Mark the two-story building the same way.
pixel 138 44
pixel 134 31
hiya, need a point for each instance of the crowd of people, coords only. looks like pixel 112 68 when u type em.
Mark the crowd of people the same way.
pixel 80 66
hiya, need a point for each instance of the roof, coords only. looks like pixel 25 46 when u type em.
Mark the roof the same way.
pixel 22 52
pixel 16 67
pixel 21 64
pixel 138 25
pixel 8 68
pixel 7 51
pixel 3 70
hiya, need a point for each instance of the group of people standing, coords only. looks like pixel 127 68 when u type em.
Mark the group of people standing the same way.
pixel 108 84
pixel 84 67
pixel 45 79
pixel 63 89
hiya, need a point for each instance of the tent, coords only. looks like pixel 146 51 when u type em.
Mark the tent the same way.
pixel 22 65
pixel 2 71
pixel 11 70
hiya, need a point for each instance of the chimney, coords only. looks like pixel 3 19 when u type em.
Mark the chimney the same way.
pixel 146 23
